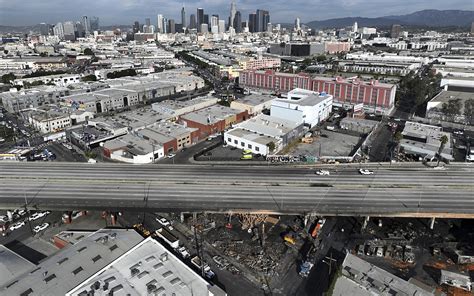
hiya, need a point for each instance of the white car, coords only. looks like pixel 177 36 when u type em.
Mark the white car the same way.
pixel 458 133
pixel 322 173
pixel 4 218
pixel 184 253
pixel 41 227
pixel 171 155
pixel 163 221
pixel 38 215
pixel 17 225
pixel 366 172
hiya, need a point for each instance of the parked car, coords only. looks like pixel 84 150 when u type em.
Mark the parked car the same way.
pixel 183 252
pixel 17 225
pixel 163 221
pixel 365 172
pixel 171 155
pixel 41 227
pixel 322 173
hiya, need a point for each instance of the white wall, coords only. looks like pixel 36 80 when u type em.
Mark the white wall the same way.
pixel 256 148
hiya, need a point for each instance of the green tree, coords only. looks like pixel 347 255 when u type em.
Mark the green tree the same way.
pixel 398 137
pixel 271 146
pixel 469 111
pixel 88 52
pixel 91 77
pixel 452 108
pixel 442 142
pixel 8 78
pixel 321 58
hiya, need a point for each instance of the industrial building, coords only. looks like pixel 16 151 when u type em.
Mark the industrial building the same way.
pixel 303 107
pixel 423 140
pixel 147 269
pixel 253 103
pixel 258 132
pixel 213 120
pixel 434 108
pixel 360 278
pixel 377 97
pixel 178 108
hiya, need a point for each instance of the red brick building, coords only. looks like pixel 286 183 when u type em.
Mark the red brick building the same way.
pixel 212 120
pixel 375 96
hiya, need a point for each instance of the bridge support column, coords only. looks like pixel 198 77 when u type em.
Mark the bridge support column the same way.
pixel 432 222
pixel 194 217
pixel 366 220
pixel 181 217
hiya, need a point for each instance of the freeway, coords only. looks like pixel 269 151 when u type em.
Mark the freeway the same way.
pixel 402 190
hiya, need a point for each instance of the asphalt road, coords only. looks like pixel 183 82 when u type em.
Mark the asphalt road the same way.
pixel 390 191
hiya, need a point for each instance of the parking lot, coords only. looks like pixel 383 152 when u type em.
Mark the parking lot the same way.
pixel 329 143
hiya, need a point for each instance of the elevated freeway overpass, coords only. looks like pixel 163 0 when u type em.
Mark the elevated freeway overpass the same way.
pixel 401 190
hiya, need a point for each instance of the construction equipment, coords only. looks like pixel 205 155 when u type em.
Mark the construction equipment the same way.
pixel 142 230
pixel 290 238
pixel 317 228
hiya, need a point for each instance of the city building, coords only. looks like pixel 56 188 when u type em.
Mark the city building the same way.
pixel 74 264
pixel 375 96
pixel 395 31
pixel 253 104
pixel 303 107
pixel 360 278
pixel 183 17
pixel 178 108
pixel 12 265
pixel 147 269
pixel 258 132
pixel 262 20
pixel 212 120
pixel 435 110
pixel 423 140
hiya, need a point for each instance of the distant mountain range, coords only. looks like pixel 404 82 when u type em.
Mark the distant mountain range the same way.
pixel 423 18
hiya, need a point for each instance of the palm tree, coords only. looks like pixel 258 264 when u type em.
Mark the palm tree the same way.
pixel 443 140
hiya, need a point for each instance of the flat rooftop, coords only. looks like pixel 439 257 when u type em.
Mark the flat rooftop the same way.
pixel 12 265
pixel 211 115
pixel 171 106
pixel 255 99
pixel 148 269
pixel 377 281
pixel 447 95
pixel 74 264
pixel 250 136
pixel 268 125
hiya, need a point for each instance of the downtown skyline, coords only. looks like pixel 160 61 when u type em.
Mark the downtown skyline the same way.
pixel 30 12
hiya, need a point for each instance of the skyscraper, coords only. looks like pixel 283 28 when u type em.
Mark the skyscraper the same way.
pixel 206 19
pixel 355 27
pixel 199 18
pixel 183 17
pixel 86 24
pixel 297 24
pixel 237 24
pixel 94 22
pixel 221 26
pixel 147 22
pixel 136 27
pixel 192 21
pixel 395 32
pixel 159 23
pixel 69 31
pixel 58 30
pixel 165 26
pixel 263 18
pixel 214 20
pixel 44 29
pixel 233 11
pixel 252 22
pixel 171 26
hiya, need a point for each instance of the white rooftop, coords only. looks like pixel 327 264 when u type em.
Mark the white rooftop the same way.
pixel 147 269
pixel 268 125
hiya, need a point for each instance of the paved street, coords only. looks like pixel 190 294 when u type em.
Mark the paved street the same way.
pixel 391 190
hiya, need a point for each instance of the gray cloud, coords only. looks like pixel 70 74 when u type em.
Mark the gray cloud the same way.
pixel 28 12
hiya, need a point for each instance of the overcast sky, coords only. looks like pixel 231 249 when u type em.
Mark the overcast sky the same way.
pixel 29 12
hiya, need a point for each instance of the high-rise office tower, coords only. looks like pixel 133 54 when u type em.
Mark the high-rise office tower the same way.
pixel 94 22
pixel 69 31
pixel 221 26
pixel 355 27
pixel 233 11
pixel 214 20
pixel 204 28
pixel 297 24
pixel 147 22
pixel 79 30
pixel 86 24
pixel 263 18
pixel 206 19
pixel 136 27
pixel 183 17
pixel 237 24
pixel 58 30
pixel 171 26
pixel 252 22
pixel 395 32
pixel 199 18
pixel 44 29
pixel 192 21
pixel 159 23
pixel 165 26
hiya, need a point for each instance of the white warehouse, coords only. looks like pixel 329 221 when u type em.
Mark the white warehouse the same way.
pixel 303 106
